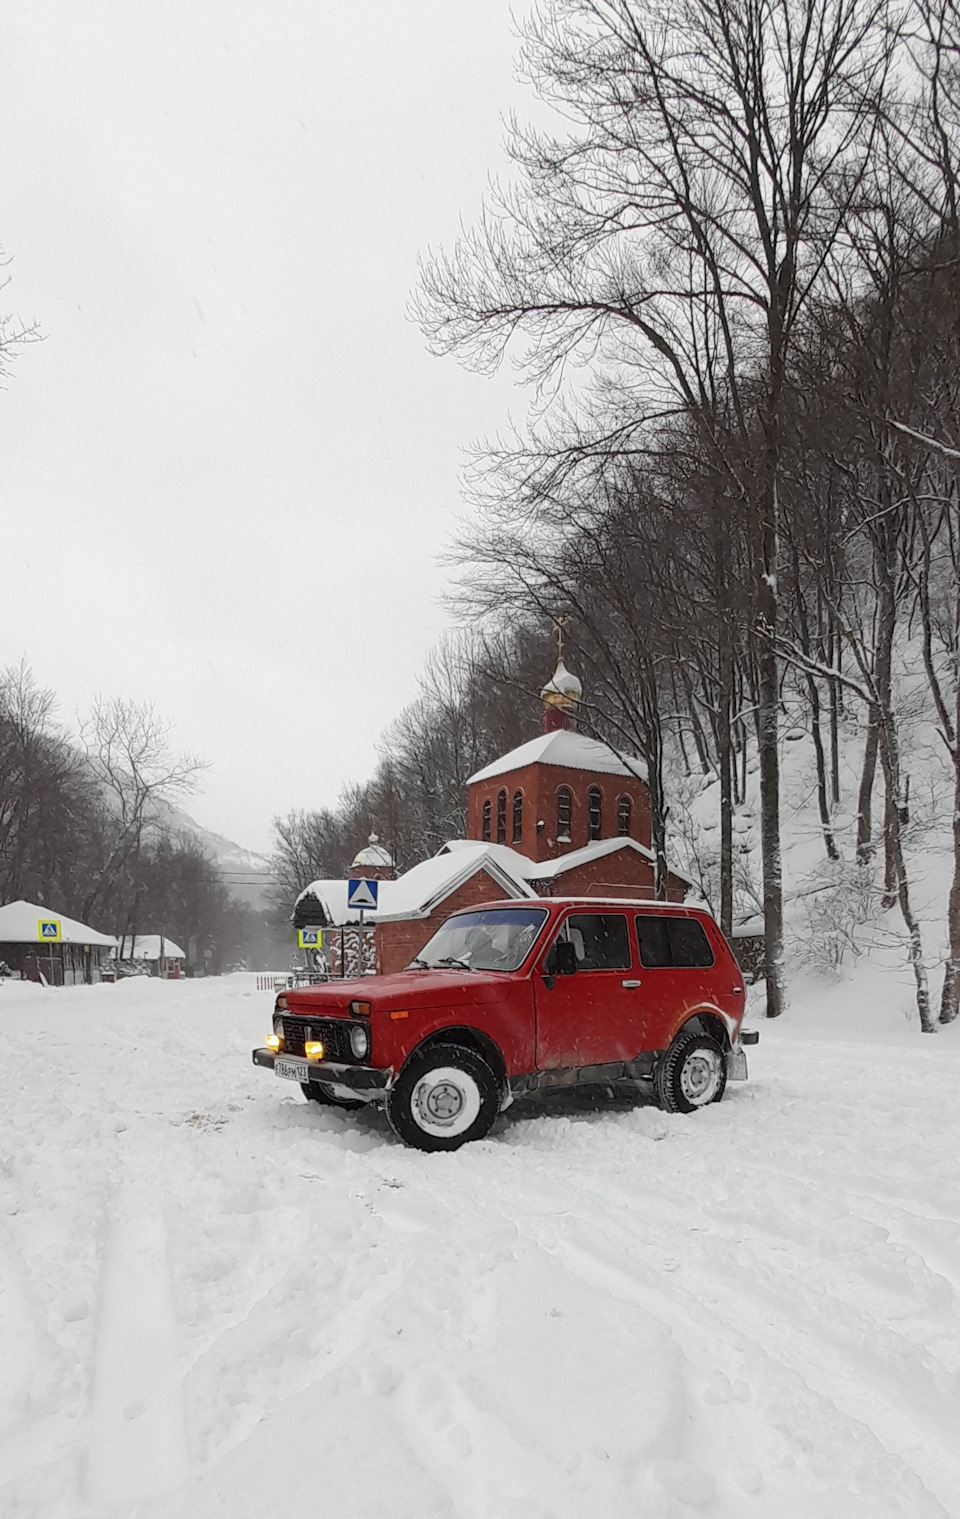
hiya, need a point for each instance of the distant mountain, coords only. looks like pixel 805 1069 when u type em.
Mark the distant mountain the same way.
pixel 246 874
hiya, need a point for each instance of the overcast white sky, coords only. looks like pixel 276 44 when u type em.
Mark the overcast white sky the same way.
pixel 228 469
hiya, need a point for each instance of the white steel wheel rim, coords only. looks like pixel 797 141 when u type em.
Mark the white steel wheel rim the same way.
pixel 445 1102
pixel 700 1076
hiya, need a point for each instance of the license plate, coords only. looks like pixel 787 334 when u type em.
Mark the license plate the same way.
pixel 293 1070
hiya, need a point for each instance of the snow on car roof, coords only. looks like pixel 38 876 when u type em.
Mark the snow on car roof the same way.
pixel 680 908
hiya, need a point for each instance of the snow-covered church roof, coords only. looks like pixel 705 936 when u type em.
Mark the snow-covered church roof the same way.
pixel 571 751
pixel 420 890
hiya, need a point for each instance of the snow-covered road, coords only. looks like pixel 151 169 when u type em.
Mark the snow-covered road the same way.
pixel 217 1300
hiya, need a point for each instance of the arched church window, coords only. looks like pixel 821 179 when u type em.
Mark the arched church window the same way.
pixel 623 817
pixel 485 828
pixel 518 817
pixel 501 817
pixel 594 812
pixel 564 809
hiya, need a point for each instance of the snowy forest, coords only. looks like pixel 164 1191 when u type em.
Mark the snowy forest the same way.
pixel 732 280
pixel 89 822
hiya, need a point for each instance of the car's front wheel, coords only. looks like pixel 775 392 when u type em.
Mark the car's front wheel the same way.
pixel 443 1097
pixel 692 1074
pixel 315 1092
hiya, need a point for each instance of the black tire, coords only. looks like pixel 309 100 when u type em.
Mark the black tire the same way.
pixel 314 1092
pixel 459 1105
pixel 691 1075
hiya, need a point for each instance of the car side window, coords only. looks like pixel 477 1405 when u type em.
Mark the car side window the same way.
pixel 600 940
pixel 678 942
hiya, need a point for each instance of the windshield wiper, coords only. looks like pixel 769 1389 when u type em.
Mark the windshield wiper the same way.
pixel 454 960
pixel 417 964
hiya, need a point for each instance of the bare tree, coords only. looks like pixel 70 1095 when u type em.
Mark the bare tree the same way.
pixel 673 238
pixel 127 750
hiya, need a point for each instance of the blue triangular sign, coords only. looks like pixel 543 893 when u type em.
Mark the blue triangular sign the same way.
pixel 362 894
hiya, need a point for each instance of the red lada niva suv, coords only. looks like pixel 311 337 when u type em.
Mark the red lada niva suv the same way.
pixel 515 997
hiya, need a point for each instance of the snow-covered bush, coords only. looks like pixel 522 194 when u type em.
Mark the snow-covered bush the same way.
pixel 833 914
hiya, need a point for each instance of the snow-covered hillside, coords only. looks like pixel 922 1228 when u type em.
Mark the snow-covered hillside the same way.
pixel 835 924
pixel 218 1300
pixel 246 874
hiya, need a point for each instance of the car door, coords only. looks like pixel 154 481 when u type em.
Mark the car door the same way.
pixel 589 1017
pixel 677 973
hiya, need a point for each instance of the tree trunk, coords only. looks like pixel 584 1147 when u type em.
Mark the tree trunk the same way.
pixel 834 691
pixel 653 753
pixel 889 759
pixel 767 552
pixel 726 832
pixel 725 752
pixel 823 804
pixel 891 829
pixel 865 797
pixel 950 996
pixel 770 830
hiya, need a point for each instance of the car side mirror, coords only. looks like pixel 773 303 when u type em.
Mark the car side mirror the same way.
pixel 563 958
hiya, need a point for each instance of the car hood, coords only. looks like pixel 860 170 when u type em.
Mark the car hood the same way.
pixel 408 989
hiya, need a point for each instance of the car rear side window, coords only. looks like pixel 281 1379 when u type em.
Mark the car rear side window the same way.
pixel 600 940
pixel 678 942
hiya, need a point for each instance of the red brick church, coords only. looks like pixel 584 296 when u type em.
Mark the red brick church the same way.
pixel 561 815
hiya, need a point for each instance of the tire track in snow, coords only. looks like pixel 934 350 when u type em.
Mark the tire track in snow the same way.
pixel 138 1444
pixel 474 1457
pixel 696 1306
pixel 896 1410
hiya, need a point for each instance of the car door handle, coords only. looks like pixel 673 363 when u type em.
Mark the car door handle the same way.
pixel 630 985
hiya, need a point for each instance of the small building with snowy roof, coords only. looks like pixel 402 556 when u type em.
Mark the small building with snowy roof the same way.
pixel 41 944
pixel 160 955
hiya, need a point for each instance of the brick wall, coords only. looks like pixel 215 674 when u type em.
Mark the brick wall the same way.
pixel 539 785
pixel 624 874
pixel 398 943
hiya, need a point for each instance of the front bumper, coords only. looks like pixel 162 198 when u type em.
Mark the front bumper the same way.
pixel 364 1080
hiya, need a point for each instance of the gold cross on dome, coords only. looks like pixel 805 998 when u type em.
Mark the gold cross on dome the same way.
pixel 559 622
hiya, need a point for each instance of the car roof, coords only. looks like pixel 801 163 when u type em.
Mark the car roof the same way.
pixel 643 903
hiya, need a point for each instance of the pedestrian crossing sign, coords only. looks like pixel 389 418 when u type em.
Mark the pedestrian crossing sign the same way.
pixel 48 930
pixel 310 938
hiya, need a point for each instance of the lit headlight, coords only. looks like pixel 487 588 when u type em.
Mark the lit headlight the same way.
pixel 360 1041
pixel 273 1041
pixel 313 1049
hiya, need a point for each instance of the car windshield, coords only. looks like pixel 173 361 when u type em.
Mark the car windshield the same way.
pixel 497 938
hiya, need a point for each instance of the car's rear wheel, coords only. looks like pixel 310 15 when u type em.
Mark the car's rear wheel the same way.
pixel 314 1091
pixel 443 1097
pixel 692 1074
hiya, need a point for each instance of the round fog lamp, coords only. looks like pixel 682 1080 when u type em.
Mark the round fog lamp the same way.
pixel 359 1041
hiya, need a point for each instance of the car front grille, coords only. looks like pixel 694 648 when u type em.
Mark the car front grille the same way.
pixel 334 1032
